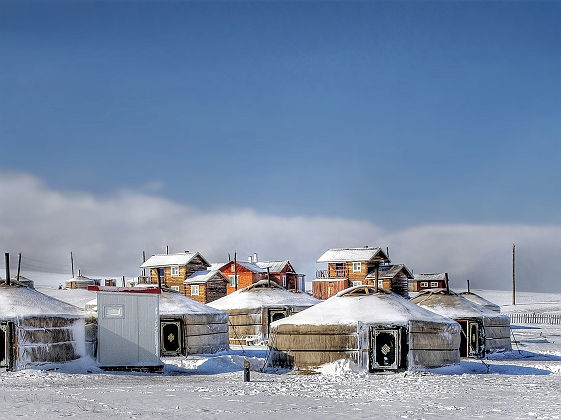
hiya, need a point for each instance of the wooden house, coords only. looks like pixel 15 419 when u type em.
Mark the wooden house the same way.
pixel 433 281
pixel 240 274
pixel 375 329
pixel 206 286
pixel 283 273
pixel 347 267
pixel 394 278
pixel 172 270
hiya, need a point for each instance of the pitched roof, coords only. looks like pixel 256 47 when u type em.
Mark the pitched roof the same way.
pixel 249 266
pixel 389 271
pixel 429 277
pixel 165 260
pixel 199 277
pixel 352 254
pixel 274 266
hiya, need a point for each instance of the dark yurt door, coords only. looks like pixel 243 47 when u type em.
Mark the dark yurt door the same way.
pixel 3 345
pixel 384 349
pixel 171 342
pixel 474 338
pixel 277 313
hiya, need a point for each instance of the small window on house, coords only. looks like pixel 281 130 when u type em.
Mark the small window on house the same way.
pixel 424 284
pixel 357 267
pixel 284 281
pixel 433 284
pixel 233 280
pixel 233 267
pixel 176 288
pixel 195 290
pixel 357 283
pixel 380 284
pixel 175 271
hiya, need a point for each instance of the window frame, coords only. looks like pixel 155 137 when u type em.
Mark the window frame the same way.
pixel 358 265
pixel 233 278
pixel 357 283
pixel 433 284
pixel 174 271
pixel 424 284
pixel 195 287
pixel 176 288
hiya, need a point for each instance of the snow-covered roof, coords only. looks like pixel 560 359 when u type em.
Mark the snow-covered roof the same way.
pixel 165 260
pixel 452 305
pixel 260 295
pixel 81 279
pixel 430 277
pixel 76 297
pixel 19 302
pixel 246 264
pixel 273 266
pixel 389 271
pixel 351 254
pixel 199 277
pixel 349 307
pixel 472 297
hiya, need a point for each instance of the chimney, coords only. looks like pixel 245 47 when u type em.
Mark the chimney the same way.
pixel 249 259
pixel 255 257
pixel 186 251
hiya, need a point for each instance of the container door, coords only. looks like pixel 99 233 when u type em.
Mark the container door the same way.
pixel 474 338
pixel 170 334
pixel 384 349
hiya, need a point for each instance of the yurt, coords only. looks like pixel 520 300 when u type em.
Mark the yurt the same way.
pixel 253 308
pixel 483 331
pixel 475 298
pixel 80 282
pixel 186 326
pixel 36 329
pixel 377 330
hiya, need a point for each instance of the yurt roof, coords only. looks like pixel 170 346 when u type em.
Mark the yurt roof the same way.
pixel 451 305
pixel 76 297
pixel 260 295
pixel 16 302
pixel 174 303
pixel 80 279
pixel 363 304
pixel 475 298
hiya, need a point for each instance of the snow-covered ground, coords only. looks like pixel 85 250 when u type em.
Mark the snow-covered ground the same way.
pixel 524 383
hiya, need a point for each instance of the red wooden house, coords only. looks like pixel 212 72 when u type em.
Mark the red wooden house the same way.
pixel 283 274
pixel 422 282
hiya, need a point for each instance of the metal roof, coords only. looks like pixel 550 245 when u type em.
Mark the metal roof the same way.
pixel 199 277
pixel 351 254
pixel 274 266
pixel 389 271
pixel 429 277
pixel 166 260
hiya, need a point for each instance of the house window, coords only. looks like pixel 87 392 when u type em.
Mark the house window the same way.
pixel 380 284
pixel 114 311
pixel 175 271
pixel 175 288
pixel 233 280
pixel 424 284
pixel 433 284
pixel 357 267
pixel 195 290
pixel 284 281
pixel 357 283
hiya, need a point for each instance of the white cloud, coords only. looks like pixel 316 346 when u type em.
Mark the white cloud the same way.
pixel 108 233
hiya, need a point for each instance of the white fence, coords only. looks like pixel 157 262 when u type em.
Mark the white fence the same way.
pixel 533 318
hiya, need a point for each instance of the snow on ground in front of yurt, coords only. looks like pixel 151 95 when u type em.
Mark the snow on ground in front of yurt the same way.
pixel 524 383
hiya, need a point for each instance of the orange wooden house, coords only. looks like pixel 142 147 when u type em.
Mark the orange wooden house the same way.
pixel 347 267
pixel 240 274
pixel 283 273
pixel 187 273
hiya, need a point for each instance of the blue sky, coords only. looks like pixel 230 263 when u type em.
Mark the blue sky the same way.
pixel 400 113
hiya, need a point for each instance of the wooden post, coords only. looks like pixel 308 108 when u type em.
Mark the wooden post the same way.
pixel 167 249
pixel 7 259
pixel 447 283
pixel 144 269
pixel 19 266
pixel 376 277
pixel 513 274
pixel 123 281
pixel 468 286
pixel 159 278
pixel 72 263
pixel 236 270
pixel 269 276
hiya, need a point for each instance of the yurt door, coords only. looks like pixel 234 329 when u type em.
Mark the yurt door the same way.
pixel 464 346
pixel 473 338
pixel 3 345
pixel 384 349
pixel 170 336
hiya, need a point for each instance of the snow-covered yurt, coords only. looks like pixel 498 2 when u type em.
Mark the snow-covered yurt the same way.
pixel 80 282
pixel 253 308
pixel 377 330
pixel 188 327
pixel 483 331
pixel 36 328
pixel 475 298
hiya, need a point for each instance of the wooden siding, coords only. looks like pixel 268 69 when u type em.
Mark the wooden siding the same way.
pixel 245 277
pixel 185 271
pixel 324 289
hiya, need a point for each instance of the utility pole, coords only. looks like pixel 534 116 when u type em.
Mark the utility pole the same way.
pixel 236 269
pixel 19 266
pixel 513 274
pixel 468 286
pixel 143 270
pixel 167 249
pixel 7 259
pixel 269 276
pixel 72 263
